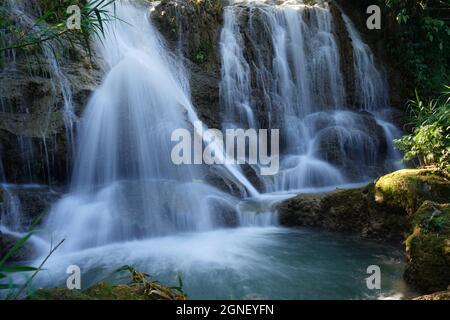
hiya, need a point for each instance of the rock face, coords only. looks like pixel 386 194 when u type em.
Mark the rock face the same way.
pixel 346 56
pixel 35 94
pixel 29 202
pixel 407 204
pixel 192 29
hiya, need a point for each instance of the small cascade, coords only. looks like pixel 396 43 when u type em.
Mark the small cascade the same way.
pixel 10 211
pixel 372 92
pixel 281 69
pixel 26 13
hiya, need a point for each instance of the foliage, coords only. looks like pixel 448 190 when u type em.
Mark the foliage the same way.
pixel 7 270
pixel 420 43
pixel 51 28
pixel 154 289
pixel 430 140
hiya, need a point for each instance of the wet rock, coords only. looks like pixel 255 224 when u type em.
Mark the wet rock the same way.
pixel 192 28
pixel 382 210
pixel 346 54
pixel 350 211
pixel 357 146
pixel 29 201
pixel 7 242
pixel 33 133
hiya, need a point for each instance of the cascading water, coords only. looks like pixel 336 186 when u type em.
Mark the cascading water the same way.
pixel 26 13
pixel 125 185
pixel 299 88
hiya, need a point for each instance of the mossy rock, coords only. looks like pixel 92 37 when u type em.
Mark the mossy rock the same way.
pixel 58 294
pixel 352 211
pixel 428 248
pixel 100 291
pixel 404 191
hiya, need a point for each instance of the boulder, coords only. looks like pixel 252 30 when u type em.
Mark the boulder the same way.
pixel 404 191
pixel 381 210
pixel 351 211
pixel 428 248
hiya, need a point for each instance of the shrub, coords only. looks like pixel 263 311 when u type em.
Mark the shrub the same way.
pixel 429 141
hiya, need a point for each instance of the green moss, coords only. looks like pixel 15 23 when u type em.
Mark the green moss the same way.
pixel 100 291
pixel 105 291
pixel 405 190
pixel 58 294
pixel 428 248
pixel 428 266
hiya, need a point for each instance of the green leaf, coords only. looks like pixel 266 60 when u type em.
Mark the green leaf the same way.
pixel 13 269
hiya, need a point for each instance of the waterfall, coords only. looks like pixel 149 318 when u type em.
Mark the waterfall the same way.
pixel 281 69
pixel 124 184
pixel 371 85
